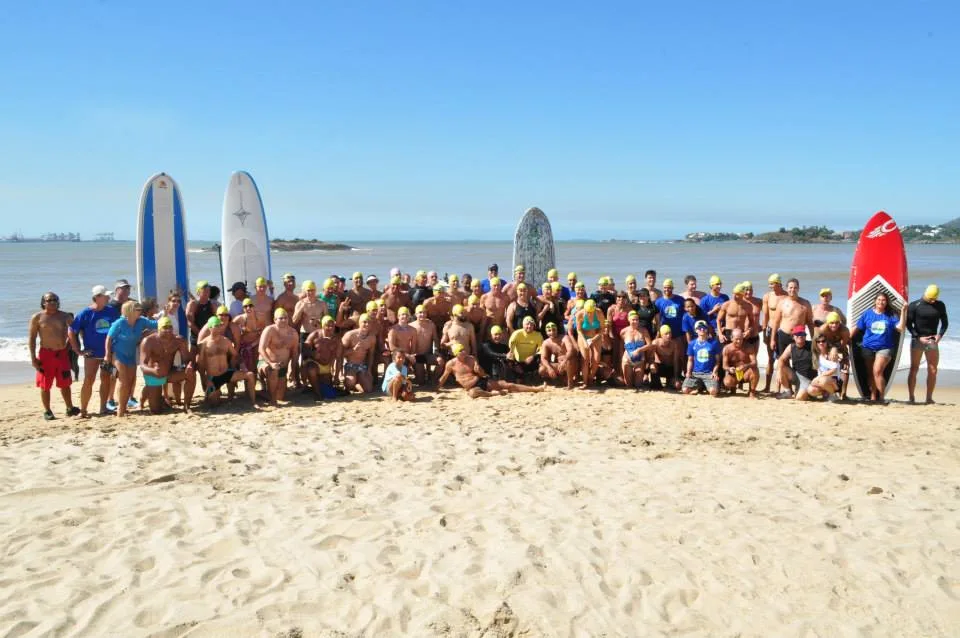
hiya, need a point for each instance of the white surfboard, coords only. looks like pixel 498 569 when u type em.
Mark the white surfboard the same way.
pixel 162 256
pixel 533 246
pixel 245 242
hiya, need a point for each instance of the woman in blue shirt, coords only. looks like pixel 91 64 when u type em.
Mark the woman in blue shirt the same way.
pixel 879 327
pixel 122 341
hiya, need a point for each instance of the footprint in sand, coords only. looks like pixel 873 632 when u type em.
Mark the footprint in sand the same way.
pixel 145 565
pixel 240 572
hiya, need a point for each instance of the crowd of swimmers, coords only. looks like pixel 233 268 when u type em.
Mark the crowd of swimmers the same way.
pixel 493 336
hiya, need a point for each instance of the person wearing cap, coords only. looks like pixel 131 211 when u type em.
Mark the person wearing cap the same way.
pixel 740 364
pixel 358 295
pixel 453 291
pixel 158 352
pixel 703 362
pixel 576 303
pixel 563 293
pixel 690 289
pixel 262 300
pixel 359 356
pixel 323 359
pixel 420 291
pixel 571 286
pixel 439 306
pixel 825 307
pixel 604 297
pixel 51 327
pixel 199 311
pixel 589 322
pixel 668 354
pixel 493 271
pixel 797 368
pixel 524 345
pixel 372 288
pixel 637 343
pixel 247 330
pixel 755 305
pixel 475 315
pixel 309 311
pixel 458 330
pixel 551 308
pixel 735 314
pixel 279 347
pixel 837 337
pixel 520 308
pixel 288 298
pixel 472 378
pixel 494 305
pixel 711 302
pixel 670 308
pixel 927 323
pixel 791 311
pixel 402 337
pixel 120 350
pixel 426 353
pixel 771 301
pixel 558 357
pixel 92 325
pixel 650 279
pixel 216 356
pixel 395 297
pixel 519 277
pixel 493 355
pixel 239 292
pixel 121 294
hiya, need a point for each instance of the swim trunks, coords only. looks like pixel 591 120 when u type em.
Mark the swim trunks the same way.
pixel 216 382
pixel 916 344
pixel 54 368
pixel 783 340
pixel 154 382
pixel 483 384
pixel 354 369
pixel 322 368
pixel 263 366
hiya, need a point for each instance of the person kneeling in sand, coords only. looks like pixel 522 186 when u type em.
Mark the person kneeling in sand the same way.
pixel 322 359
pixel 157 354
pixel 740 365
pixel 279 345
pixel 668 354
pixel 359 350
pixel 395 380
pixel 558 358
pixel 474 380
pixel 216 355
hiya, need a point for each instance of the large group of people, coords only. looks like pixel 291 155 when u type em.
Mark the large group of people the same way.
pixel 492 335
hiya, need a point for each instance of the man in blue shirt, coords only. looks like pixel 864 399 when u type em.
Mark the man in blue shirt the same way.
pixel 92 324
pixel 671 308
pixel 711 302
pixel 703 363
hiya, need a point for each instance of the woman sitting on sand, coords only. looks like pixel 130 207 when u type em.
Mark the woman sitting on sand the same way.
pixel 827 381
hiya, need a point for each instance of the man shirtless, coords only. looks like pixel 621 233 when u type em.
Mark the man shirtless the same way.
pixel 825 307
pixel 288 301
pixel 752 342
pixel 438 306
pixel 279 346
pixel 359 295
pixel 771 300
pixel 403 338
pixel 359 350
pixel 428 348
pixel 247 329
pixel 510 289
pixel 158 351
pixel 474 380
pixel 307 315
pixel 263 302
pixel 459 330
pixel 740 365
pixel 454 294
pixel 323 359
pixel 791 311
pixel 53 363
pixel 494 304
pixel 558 358
pixel 735 314
pixel 395 298
pixel 690 291
pixel 668 355
pixel 476 316
pixel 215 355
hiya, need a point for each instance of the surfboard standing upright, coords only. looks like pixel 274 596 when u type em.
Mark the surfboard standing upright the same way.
pixel 533 246
pixel 162 264
pixel 245 243
pixel 879 265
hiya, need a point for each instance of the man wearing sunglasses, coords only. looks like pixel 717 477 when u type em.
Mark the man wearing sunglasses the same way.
pixel 52 363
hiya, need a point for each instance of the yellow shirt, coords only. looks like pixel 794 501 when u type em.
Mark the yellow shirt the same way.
pixel 525 344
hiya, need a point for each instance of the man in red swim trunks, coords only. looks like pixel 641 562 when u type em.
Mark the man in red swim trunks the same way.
pixel 53 362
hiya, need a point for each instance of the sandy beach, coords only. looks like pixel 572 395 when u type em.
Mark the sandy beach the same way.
pixel 560 514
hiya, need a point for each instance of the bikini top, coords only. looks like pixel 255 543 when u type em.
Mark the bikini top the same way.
pixel 591 323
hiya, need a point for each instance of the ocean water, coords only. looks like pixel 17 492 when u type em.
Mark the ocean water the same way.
pixel 72 269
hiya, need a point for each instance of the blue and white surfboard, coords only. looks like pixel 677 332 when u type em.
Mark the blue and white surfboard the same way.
pixel 162 265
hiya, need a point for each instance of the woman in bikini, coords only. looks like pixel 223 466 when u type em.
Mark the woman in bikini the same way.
pixel 636 342
pixel 589 323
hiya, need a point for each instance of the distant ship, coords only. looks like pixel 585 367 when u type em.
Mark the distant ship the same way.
pixel 46 237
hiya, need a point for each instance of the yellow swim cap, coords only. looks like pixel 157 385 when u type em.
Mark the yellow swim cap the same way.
pixel 665 329
pixel 832 317
pixel 521 286
pixel 571 275
pixel 247 302
pixel 473 299
pixel 580 284
pixel 519 268
pixel 549 325
pixel 738 289
pixel 495 281
pixel 327 319
pixel 932 293
pixel 223 310
pixel 419 309
pixel 632 314
pixel 747 285
pixel 530 320
pixel 774 279
pixel 825 291
pixel 279 312
pixel 357 275
pixel 453 278
pixel 496 330
pixel 714 280
pixel 668 283
pixel 395 279
pixel 590 305
pixel 371 305
pixel 328 283
pixel 553 273
pixel 456 348
pixel 363 317
pixel 260 281
pixel 309 285
pixel 381 303
pixel 403 311
pixel 202 284
pixel 164 323
pixel 457 310
pixel 287 276
pixel 555 286
pixel 421 273
pixel 630 278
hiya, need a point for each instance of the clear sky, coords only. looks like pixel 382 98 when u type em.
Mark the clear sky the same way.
pixel 447 119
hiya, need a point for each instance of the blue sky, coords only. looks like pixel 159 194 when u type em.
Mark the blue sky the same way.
pixel 448 119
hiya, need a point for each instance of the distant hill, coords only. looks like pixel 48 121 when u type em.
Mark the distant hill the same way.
pixel 953 223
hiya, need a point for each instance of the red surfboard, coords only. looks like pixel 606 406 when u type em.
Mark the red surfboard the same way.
pixel 879 266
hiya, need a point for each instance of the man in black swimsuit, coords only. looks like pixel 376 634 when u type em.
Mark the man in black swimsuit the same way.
pixel 927 323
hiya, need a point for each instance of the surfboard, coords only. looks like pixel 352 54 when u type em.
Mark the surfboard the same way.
pixel 533 246
pixel 879 265
pixel 245 243
pixel 162 257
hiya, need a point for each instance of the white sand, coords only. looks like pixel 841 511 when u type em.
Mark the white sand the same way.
pixel 553 515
